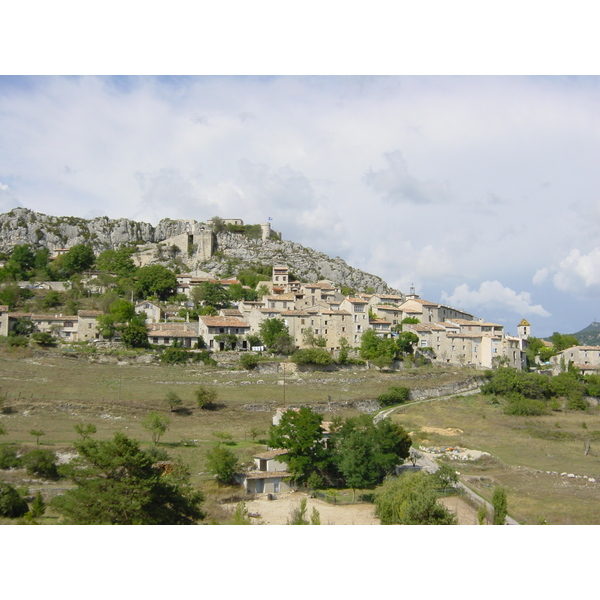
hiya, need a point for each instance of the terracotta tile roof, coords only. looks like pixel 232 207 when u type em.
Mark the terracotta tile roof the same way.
pixel 180 333
pixel 283 297
pixel 584 348
pixel 471 323
pixel 383 321
pixel 269 454
pixel 230 312
pixel 421 302
pixel 36 317
pixel 223 322
pixel 266 474
pixel 357 300
pixel 89 313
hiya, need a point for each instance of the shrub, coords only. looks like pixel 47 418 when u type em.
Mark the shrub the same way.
pixel 577 403
pixel 394 395
pixel 206 398
pixel 249 361
pixel 17 341
pixel 203 357
pixel 522 406
pixel 312 356
pixel 11 503
pixel 42 463
pixel 9 458
pixel 174 356
pixel 222 463
pixel 44 339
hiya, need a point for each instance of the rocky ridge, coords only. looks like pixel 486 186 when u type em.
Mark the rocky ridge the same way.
pixel 24 226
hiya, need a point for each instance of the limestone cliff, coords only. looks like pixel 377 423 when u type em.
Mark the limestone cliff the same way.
pixel 23 226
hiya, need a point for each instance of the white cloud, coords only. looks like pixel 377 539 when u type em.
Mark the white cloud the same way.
pixel 397 185
pixel 492 295
pixel 577 270
pixel 541 275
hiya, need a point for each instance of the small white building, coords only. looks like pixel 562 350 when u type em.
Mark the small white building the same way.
pixel 271 475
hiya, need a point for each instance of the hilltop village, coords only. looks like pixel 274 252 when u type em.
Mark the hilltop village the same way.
pixel 333 314
pixel 445 335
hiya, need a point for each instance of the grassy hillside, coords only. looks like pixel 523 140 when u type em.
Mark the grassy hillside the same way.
pixel 53 391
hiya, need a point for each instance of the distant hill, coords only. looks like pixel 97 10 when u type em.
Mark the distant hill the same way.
pixel 590 336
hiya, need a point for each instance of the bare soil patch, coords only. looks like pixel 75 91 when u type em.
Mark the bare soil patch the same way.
pixel 465 513
pixel 277 512
pixel 447 431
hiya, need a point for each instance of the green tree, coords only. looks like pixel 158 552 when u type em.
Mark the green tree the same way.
pixel 156 280
pixel 411 500
pixel 365 452
pixel 38 506
pixel 23 257
pixel 79 258
pixel 283 344
pixel 157 425
pixel 240 515
pixel 249 361
pixel 41 462
pixel 298 514
pixel 118 484
pixel 173 400
pixel 222 463
pixel 300 432
pixel 446 476
pixel 12 505
pixel 37 433
pixel 270 329
pixel 135 336
pixel 212 294
pixel 394 395
pixel 562 341
pixel 52 299
pixel 315 517
pixel 206 397
pixel 119 261
pixel 313 356
pixel 500 505
pixel 85 430
pixel 44 339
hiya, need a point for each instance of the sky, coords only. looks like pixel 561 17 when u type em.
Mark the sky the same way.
pixel 482 192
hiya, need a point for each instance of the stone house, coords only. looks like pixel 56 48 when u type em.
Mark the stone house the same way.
pixel 431 312
pixel 212 327
pixel 359 314
pixel 586 359
pixel 167 334
pixel 87 325
pixel 153 311
pixel 270 475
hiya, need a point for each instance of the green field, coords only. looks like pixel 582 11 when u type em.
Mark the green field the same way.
pixel 53 391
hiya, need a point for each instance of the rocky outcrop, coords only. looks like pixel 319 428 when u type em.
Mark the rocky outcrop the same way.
pixel 237 250
pixel 305 263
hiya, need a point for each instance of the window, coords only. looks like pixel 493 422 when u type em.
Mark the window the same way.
pixel 221 329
